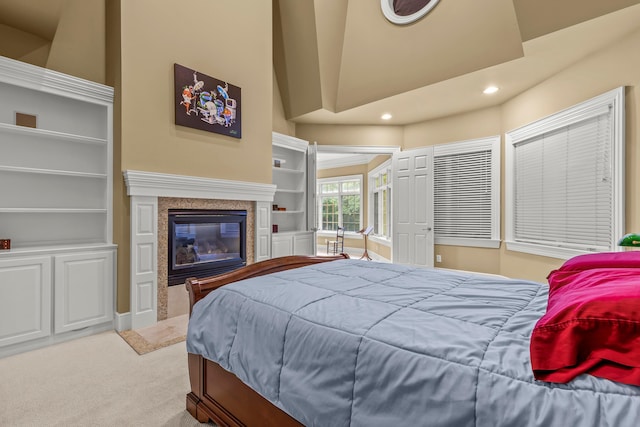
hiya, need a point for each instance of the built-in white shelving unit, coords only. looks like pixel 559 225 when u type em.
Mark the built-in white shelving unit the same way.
pixel 290 175
pixel 57 280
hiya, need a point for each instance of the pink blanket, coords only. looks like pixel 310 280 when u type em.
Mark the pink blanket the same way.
pixel 592 323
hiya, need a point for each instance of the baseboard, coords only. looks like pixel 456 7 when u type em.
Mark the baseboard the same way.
pixel 123 321
pixel 54 339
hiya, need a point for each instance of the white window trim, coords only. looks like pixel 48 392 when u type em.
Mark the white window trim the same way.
pixel 336 179
pixel 370 187
pixel 489 143
pixel 574 114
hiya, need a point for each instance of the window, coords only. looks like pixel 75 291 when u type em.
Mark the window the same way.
pixel 340 203
pixel 565 180
pixel 380 200
pixel 402 12
pixel 466 193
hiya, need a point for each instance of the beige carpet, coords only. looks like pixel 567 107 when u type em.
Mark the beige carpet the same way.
pixel 164 333
pixel 95 381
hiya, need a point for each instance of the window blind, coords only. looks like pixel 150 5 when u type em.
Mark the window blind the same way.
pixel 563 186
pixel 463 195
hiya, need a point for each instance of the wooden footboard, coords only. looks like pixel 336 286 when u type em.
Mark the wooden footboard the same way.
pixel 216 394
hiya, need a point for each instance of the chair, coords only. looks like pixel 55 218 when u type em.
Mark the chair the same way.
pixel 338 243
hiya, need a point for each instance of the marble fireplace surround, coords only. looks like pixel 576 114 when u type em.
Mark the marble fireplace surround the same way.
pixel 151 196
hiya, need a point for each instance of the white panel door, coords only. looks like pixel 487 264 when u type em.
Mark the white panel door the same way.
pixel 25 299
pixel 413 207
pixel 83 290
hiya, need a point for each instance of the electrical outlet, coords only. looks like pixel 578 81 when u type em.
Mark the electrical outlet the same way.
pixel 438 258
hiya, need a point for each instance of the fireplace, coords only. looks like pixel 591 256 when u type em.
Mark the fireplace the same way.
pixel 202 243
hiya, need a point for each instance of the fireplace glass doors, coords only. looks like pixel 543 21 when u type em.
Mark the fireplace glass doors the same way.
pixel 205 242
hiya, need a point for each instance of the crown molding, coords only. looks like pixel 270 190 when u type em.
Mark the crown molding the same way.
pixel 290 142
pixel 33 77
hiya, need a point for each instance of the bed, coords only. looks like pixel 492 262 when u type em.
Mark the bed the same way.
pixel 331 341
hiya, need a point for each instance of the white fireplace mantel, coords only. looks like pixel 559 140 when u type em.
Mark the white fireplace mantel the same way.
pixel 144 189
pixel 167 185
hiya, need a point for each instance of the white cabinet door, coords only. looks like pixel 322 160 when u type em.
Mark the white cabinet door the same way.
pixel 83 290
pixel 303 244
pixel 281 245
pixel 25 299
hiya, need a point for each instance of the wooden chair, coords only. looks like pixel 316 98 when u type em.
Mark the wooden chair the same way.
pixel 336 246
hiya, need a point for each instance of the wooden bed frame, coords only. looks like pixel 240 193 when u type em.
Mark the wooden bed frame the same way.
pixel 216 394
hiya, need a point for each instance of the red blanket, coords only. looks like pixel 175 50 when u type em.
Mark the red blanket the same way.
pixel 592 323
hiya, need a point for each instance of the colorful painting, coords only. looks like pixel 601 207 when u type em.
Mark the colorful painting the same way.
pixel 206 103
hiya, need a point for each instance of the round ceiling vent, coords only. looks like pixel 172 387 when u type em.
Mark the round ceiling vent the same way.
pixel 403 12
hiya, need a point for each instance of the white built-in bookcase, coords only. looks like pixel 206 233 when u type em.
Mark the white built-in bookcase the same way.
pixel 291 178
pixel 55 206
pixel 291 184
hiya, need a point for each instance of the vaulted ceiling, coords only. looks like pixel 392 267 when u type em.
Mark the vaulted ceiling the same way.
pixel 340 61
pixel 31 17
pixel 343 62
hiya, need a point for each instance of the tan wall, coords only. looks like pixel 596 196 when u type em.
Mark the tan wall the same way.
pixel 350 135
pixel 78 47
pixel 280 122
pixel 22 46
pixel 475 124
pixel 150 141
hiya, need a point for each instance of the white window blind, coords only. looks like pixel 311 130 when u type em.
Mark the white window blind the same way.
pixel 566 187
pixel 563 186
pixel 466 193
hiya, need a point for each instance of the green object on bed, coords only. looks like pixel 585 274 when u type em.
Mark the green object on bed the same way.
pixel 631 239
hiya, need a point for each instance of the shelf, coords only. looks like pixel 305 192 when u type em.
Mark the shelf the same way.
pixel 52 210
pixel 52 172
pixel 290 171
pixel 287 212
pixel 21 130
pixel 291 192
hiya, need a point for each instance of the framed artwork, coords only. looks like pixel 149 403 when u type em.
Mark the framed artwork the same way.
pixel 206 103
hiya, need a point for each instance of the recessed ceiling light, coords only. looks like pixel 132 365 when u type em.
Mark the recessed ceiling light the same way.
pixel 386 116
pixel 490 90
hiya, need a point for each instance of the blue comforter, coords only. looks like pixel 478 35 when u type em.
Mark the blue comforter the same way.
pixel 355 343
